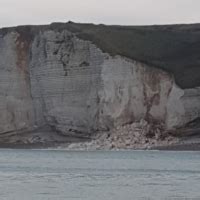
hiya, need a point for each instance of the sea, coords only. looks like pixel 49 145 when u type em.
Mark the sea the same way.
pixel 99 175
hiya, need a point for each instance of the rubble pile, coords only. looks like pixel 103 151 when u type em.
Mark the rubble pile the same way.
pixel 139 135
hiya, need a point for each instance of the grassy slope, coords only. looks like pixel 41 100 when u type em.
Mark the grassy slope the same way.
pixel 174 48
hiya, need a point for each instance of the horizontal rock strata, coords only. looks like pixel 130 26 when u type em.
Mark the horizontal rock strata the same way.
pixel 55 79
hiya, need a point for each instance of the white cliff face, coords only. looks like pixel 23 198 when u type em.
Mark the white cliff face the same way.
pixel 133 91
pixel 183 106
pixel 65 79
pixel 72 86
pixel 15 92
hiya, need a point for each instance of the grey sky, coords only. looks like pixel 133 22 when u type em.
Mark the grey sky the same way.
pixel 129 12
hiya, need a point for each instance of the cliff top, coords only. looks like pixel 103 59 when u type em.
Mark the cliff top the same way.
pixel 174 48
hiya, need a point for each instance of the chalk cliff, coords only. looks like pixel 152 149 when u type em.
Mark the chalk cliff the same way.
pixel 55 80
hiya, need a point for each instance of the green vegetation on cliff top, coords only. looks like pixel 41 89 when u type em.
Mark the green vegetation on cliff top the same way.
pixel 174 48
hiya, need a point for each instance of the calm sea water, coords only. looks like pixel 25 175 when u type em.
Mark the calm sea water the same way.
pixel 123 175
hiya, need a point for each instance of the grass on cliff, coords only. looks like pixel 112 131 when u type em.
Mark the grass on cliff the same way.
pixel 174 48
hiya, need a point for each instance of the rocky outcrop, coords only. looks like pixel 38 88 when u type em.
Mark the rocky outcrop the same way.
pixel 54 79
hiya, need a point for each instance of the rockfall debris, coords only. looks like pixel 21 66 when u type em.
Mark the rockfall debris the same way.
pixel 139 135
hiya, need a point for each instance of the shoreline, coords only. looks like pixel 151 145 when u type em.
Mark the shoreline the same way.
pixel 66 146
pixel 179 147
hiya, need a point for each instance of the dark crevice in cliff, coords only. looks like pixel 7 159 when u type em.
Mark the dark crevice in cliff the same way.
pixel 64 50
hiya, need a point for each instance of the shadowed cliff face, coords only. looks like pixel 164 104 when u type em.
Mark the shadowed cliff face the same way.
pixel 53 77
pixel 15 92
